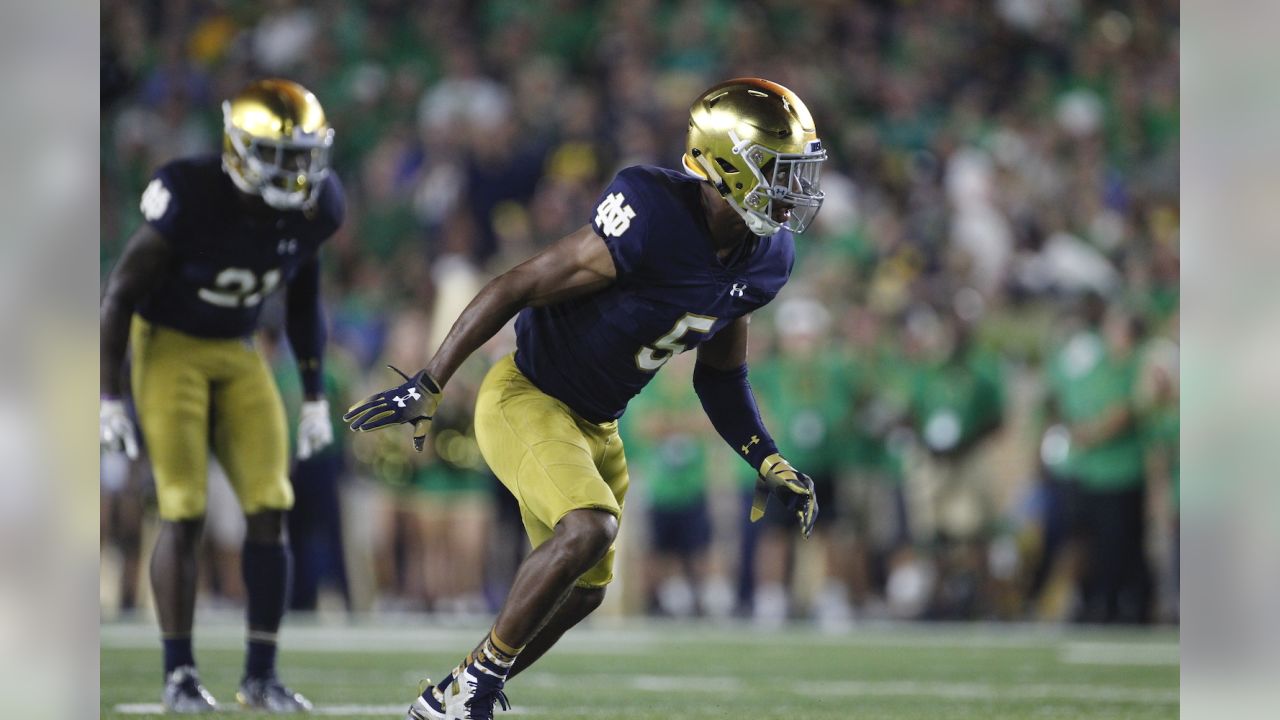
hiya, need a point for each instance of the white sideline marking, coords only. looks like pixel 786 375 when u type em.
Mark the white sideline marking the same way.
pixel 904 688
pixel 985 691
pixel 1099 653
pixel 848 688
pixel 331 710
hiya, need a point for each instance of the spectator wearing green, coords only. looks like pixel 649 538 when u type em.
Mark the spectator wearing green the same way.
pixel 805 391
pixel 956 403
pixel 1093 381
pixel 453 502
pixel 1158 400
pixel 956 406
pixel 880 381
pixel 666 436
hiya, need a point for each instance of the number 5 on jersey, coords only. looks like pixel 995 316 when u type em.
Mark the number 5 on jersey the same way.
pixel 651 357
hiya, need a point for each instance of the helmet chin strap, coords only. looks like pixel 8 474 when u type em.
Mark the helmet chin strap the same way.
pixel 285 200
pixel 755 223
pixel 273 197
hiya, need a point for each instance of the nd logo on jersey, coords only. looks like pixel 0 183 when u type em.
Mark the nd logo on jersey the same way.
pixel 612 216
pixel 155 200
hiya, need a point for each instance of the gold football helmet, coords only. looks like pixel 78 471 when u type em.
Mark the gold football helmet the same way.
pixel 755 141
pixel 276 142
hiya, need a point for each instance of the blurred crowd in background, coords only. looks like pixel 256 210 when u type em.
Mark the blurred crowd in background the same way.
pixel 976 357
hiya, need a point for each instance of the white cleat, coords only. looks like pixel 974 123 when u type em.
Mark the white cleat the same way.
pixel 424 709
pixel 472 695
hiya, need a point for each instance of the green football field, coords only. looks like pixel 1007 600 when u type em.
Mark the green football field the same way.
pixel 659 671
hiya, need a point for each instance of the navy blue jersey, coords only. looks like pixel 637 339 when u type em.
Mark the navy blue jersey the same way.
pixel 672 293
pixel 227 256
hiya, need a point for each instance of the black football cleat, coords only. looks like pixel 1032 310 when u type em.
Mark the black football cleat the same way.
pixel 184 694
pixel 271 695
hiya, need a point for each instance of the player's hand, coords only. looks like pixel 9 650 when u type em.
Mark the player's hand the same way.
pixel 115 429
pixel 315 433
pixel 793 489
pixel 413 402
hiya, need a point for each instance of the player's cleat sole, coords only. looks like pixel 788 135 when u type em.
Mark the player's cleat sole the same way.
pixel 271 695
pixel 184 694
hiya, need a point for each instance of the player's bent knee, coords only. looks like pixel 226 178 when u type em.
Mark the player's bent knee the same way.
pixel 265 527
pixel 182 535
pixel 267 495
pixel 587 534
pixel 181 507
pixel 588 599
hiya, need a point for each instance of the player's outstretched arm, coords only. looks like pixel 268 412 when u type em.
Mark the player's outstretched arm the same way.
pixel 720 379
pixel 577 264
pixel 139 270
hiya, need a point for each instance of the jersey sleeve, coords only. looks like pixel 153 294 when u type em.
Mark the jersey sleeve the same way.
pixel 162 204
pixel 622 220
pixel 331 206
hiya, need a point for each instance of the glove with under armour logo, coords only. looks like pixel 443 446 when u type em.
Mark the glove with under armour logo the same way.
pixel 413 402
pixel 793 489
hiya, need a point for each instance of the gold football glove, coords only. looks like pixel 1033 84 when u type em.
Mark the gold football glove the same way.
pixel 413 402
pixel 793 489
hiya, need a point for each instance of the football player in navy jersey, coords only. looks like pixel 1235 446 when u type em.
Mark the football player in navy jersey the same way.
pixel 671 261
pixel 221 234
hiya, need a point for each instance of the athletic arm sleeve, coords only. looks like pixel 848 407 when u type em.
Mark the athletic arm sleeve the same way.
pixel 729 403
pixel 305 326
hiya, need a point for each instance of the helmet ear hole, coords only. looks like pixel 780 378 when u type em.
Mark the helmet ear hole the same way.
pixel 726 167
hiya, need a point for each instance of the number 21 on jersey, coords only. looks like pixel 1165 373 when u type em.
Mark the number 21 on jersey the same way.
pixel 651 357
pixel 240 287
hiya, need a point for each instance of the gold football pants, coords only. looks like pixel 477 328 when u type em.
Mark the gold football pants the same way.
pixel 193 393
pixel 551 459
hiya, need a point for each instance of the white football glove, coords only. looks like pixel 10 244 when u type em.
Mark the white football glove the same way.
pixel 115 429
pixel 315 432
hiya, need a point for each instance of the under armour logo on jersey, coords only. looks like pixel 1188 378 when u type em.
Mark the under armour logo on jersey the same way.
pixel 755 440
pixel 413 395
pixel 737 290
pixel 287 246
pixel 155 200
pixel 612 216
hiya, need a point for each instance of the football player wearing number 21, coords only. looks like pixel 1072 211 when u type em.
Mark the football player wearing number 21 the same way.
pixel 222 233
pixel 671 261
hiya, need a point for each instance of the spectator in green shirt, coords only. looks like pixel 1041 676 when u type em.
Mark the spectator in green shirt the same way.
pixel 1093 383
pixel 807 392
pixel 666 435
pixel 1159 403
pixel 453 503
pixel 956 406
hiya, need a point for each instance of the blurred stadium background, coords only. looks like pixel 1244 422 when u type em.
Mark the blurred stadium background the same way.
pixel 977 354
